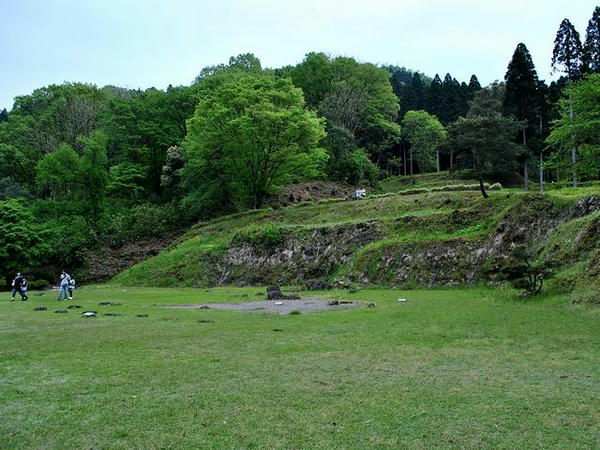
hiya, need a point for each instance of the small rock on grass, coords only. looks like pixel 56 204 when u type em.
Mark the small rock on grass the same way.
pixel 205 321
pixel 61 311
pixel 112 314
pixel 204 307
pixel 40 308
pixel 141 315
pixel 73 306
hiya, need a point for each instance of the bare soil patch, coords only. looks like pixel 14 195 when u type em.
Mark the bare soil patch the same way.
pixel 307 305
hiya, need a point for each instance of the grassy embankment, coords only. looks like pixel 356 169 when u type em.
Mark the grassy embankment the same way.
pixel 402 219
pixel 449 368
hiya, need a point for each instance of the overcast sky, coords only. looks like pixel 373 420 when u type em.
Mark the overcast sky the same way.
pixel 144 43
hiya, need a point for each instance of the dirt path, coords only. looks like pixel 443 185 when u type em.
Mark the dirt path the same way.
pixel 308 305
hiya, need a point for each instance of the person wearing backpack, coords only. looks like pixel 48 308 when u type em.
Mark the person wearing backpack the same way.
pixel 17 286
pixel 65 278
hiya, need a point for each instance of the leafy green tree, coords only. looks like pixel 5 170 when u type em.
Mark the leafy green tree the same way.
pixel 490 140
pixel 249 135
pixel 58 173
pixel 578 127
pixel 22 244
pixel 567 53
pixel 3 115
pixel 315 76
pixel 591 46
pixel 488 100
pixel 425 134
pixel 93 168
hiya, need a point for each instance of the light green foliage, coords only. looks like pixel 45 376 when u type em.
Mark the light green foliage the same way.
pixel 425 134
pixel 126 180
pixel 449 368
pixel 93 169
pixel 58 172
pixel 250 134
pixel 582 131
pixel 22 243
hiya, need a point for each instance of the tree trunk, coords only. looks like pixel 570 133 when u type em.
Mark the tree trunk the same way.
pixel 541 158
pixel 451 159
pixel 525 168
pixel 437 160
pixel 404 158
pixel 482 187
pixel 411 161
pixel 541 171
pixel 573 152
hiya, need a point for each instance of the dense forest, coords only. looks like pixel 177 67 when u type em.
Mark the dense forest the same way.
pixel 84 167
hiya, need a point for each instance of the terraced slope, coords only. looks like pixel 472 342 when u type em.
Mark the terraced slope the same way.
pixel 432 239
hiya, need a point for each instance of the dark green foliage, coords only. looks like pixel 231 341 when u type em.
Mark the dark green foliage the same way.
pixel 568 51
pixel 490 140
pixel 4 115
pixel 591 46
pixel 521 83
pixel 522 270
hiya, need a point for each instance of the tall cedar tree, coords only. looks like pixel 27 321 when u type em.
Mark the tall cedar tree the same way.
pixel 435 101
pixel 474 84
pixel 521 99
pixel 568 51
pixel 591 48
pixel 3 115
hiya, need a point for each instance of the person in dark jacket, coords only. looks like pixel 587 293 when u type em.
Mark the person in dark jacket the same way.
pixel 17 286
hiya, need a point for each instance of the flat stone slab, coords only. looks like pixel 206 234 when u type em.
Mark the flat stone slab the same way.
pixel 280 307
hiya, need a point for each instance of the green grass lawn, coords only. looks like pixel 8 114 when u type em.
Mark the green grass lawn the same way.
pixel 448 368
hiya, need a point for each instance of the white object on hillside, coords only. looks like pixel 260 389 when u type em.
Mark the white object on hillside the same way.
pixel 279 303
pixel 401 299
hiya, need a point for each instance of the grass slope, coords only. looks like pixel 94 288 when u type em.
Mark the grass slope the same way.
pixel 412 219
pixel 448 368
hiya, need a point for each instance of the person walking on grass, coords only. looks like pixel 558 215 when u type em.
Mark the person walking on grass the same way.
pixel 17 286
pixel 71 288
pixel 65 279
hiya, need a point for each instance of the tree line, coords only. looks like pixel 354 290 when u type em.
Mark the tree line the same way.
pixel 83 166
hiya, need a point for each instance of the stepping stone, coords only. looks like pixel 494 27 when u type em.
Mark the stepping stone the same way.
pixel 61 311
pixel 89 314
pixel 40 308
pixel 204 307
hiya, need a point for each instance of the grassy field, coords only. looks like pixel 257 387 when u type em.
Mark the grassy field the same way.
pixel 449 368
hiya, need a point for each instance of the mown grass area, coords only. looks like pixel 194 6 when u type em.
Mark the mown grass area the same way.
pixel 449 368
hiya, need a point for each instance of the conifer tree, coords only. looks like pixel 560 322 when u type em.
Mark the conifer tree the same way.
pixel 435 101
pixel 474 84
pixel 521 98
pixel 567 58
pixel 568 50
pixel 3 115
pixel 591 48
